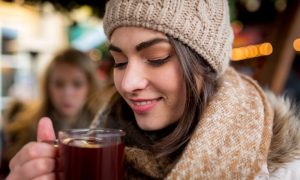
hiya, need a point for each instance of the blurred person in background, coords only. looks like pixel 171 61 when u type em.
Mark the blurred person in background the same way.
pixel 68 95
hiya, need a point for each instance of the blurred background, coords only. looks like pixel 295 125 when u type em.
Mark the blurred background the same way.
pixel 266 45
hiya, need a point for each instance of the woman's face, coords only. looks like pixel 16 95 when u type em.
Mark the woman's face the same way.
pixel 148 75
pixel 68 88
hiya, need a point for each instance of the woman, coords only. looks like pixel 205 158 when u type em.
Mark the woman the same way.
pixel 68 95
pixel 186 113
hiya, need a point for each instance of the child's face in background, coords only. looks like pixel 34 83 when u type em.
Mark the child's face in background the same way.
pixel 68 88
pixel 149 76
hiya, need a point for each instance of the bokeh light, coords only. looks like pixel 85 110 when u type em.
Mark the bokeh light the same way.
pixel 252 51
pixel 297 45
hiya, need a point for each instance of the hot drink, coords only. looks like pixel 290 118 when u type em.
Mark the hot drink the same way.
pixel 92 158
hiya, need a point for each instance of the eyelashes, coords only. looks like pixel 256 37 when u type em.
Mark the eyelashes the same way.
pixel 158 62
pixel 120 65
pixel 151 62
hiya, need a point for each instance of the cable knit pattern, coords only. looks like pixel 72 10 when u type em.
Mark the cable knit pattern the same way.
pixel 232 138
pixel 204 25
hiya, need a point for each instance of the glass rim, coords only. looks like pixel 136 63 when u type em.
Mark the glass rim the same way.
pixel 104 132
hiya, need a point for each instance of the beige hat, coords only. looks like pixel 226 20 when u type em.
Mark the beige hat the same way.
pixel 203 25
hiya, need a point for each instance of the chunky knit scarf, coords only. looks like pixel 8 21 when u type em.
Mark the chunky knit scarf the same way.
pixel 231 140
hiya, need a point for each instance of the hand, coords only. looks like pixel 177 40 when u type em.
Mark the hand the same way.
pixel 36 160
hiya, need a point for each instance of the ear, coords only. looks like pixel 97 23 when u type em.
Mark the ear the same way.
pixel 45 131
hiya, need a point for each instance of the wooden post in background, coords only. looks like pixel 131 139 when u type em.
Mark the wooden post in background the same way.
pixel 276 71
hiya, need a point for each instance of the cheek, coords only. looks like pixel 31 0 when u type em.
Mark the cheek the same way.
pixel 172 81
pixel 55 98
pixel 54 93
pixel 174 87
pixel 82 94
pixel 83 91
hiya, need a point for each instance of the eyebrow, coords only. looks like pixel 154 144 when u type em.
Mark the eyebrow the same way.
pixel 142 45
pixel 114 48
pixel 149 43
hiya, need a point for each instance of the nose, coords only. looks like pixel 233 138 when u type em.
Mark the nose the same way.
pixel 68 91
pixel 135 78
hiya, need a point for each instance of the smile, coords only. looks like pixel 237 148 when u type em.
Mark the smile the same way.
pixel 143 102
pixel 143 106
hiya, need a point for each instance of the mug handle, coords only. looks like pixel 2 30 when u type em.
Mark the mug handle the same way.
pixel 51 142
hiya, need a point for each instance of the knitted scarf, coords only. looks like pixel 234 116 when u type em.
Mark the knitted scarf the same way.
pixel 231 140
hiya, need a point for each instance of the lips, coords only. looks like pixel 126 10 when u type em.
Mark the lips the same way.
pixel 143 105
pixel 67 106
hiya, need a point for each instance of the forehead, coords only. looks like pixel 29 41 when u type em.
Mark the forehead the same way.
pixel 65 70
pixel 123 35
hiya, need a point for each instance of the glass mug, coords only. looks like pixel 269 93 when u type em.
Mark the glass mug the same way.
pixel 93 154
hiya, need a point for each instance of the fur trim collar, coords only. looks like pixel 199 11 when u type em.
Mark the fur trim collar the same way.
pixel 285 144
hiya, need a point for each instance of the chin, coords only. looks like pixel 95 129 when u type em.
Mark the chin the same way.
pixel 149 126
pixel 68 113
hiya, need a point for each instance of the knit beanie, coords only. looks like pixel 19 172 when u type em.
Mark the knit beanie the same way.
pixel 203 25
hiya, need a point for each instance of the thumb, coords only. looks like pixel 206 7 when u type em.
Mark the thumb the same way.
pixel 45 131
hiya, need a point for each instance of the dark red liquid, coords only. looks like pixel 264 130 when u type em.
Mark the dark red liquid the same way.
pixel 96 163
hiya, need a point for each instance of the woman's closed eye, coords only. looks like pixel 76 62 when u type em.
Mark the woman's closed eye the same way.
pixel 120 65
pixel 120 59
pixel 155 62
pixel 159 61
